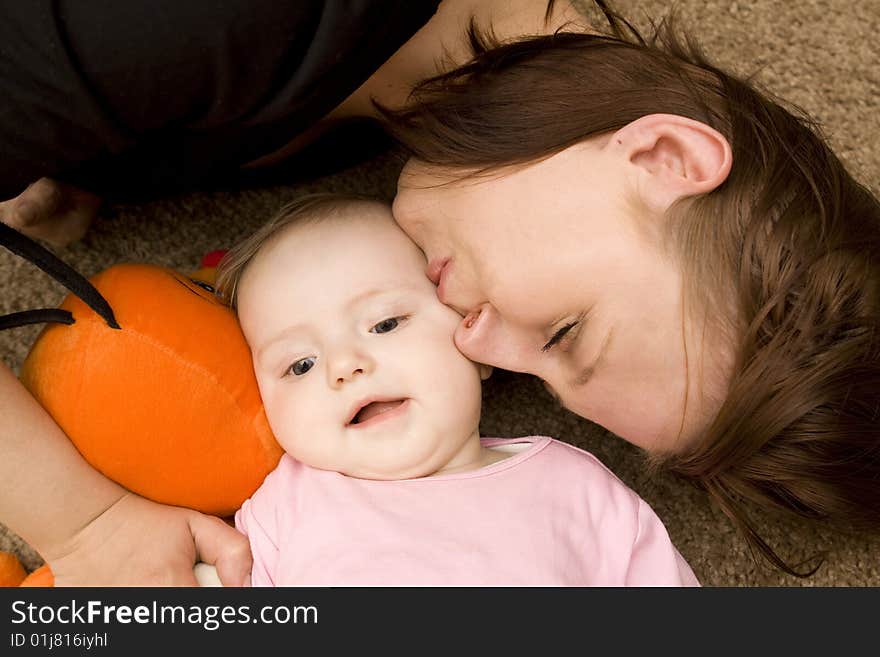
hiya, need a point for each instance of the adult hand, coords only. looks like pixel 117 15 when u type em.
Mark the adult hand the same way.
pixel 137 542
pixel 51 211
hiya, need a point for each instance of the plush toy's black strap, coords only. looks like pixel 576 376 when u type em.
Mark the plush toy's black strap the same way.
pixel 26 248
pixel 40 316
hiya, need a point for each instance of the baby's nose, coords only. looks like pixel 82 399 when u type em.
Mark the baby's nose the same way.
pixel 347 366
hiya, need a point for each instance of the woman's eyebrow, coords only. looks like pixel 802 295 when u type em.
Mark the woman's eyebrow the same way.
pixel 587 372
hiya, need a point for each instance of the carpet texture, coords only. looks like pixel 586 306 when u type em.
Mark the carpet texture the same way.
pixel 819 54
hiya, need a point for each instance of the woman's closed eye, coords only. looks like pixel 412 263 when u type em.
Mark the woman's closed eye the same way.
pixel 389 324
pixel 559 336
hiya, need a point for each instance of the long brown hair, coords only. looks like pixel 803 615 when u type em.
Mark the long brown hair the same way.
pixel 786 251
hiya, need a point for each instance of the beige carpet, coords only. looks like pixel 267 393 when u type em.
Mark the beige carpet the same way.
pixel 820 54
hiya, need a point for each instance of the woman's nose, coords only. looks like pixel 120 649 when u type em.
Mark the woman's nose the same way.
pixel 347 364
pixel 484 336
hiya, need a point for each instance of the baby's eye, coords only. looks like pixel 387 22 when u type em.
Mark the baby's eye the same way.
pixel 301 366
pixel 387 325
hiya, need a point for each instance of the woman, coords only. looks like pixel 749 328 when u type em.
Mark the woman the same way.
pixel 679 258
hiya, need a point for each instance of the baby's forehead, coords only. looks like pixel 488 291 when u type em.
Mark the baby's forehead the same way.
pixel 355 247
pixel 350 218
pixel 368 228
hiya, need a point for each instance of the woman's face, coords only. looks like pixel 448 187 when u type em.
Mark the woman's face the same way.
pixel 558 272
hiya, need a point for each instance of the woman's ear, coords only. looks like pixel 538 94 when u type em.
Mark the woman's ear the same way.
pixel 673 157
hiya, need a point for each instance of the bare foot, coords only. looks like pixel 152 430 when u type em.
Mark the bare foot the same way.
pixel 51 211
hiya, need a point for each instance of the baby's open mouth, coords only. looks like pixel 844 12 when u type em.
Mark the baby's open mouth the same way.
pixel 374 409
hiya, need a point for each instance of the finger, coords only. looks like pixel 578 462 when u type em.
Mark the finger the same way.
pixel 224 547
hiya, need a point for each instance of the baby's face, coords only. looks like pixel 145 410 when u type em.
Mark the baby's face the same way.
pixel 353 352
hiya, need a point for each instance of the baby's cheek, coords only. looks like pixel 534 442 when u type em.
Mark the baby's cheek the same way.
pixel 280 416
pixel 445 353
pixel 439 316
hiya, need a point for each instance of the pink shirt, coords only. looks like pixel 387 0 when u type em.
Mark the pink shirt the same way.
pixel 549 515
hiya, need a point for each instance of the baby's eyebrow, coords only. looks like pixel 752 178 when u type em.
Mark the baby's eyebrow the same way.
pixel 383 290
pixel 261 353
pixel 364 296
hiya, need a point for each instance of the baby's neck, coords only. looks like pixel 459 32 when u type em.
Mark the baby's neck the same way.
pixel 473 457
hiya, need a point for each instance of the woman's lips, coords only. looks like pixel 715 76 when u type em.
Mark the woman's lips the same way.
pixel 432 271
pixel 438 271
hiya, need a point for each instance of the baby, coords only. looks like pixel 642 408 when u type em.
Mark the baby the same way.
pixel 386 480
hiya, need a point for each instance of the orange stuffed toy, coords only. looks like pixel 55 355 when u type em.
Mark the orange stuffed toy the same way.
pixel 166 405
